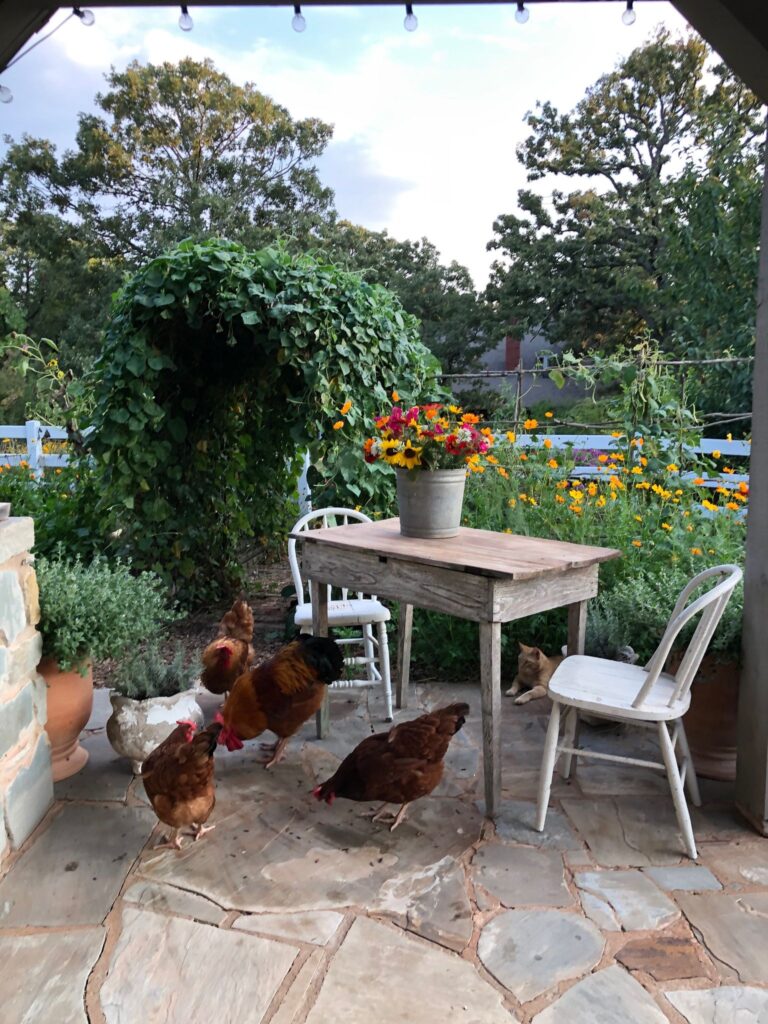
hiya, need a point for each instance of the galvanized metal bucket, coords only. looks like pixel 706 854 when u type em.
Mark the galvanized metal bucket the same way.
pixel 430 502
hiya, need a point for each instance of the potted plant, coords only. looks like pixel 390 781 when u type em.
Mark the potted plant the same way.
pixel 432 448
pixel 88 611
pixel 149 696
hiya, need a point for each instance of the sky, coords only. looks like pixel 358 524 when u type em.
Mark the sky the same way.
pixel 426 123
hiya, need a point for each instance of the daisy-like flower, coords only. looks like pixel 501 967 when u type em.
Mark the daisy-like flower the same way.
pixel 552 463
pixel 548 415
pixel 346 407
pixel 696 551
pixel 672 468
pixel 716 454
pixel 338 424
pixel 637 543
pixel 470 417
pixel 732 505
pixel 547 443
pixel 666 526
pixel 511 436
pixel 531 424
pixel 601 502
pixel 502 472
pixel 592 490
pixel 390 450
pixel 408 457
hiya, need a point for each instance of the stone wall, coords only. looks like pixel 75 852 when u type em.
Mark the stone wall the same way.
pixel 26 787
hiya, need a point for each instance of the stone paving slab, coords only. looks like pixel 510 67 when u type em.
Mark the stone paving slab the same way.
pixel 687 878
pixel 636 902
pixel 190 972
pixel 383 976
pixel 665 957
pixel 742 863
pixel 293 1007
pixel 515 822
pixel 43 976
pixel 726 1005
pixel 82 858
pixel 167 898
pixel 735 930
pixel 610 996
pixel 530 951
pixel 520 876
pixel 432 902
pixel 106 775
pixel 317 927
pixel 627 831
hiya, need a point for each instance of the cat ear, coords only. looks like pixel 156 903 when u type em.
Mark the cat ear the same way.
pixel 536 654
pixel 523 648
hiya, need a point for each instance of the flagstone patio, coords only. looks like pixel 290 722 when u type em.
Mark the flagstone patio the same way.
pixel 294 912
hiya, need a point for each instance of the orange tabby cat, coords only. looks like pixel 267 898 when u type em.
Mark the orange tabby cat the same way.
pixel 534 669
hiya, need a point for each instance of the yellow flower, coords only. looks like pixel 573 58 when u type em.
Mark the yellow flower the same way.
pixel 666 526
pixel 390 450
pixel 729 437
pixel 716 454
pixel 408 456
pixel 549 415
pixel 58 472
pixel 532 501
pixel 338 424
pixel 531 424
pixel 637 471
pixel 592 490
pixel 722 490
pixel 512 502
pixel 600 503
pixel 672 468
pixel 507 530
pixel 732 505
pixel 696 551
pixel 616 433
pixel 614 495
pixel 502 472
pixel 639 519
pixel 643 461
pixel 575 508
pixel 602 458
pixel 455 409
pixel 552 463
pixel 728 470
pixel 562 485
pixel 709 505
pixel 395 396
pixel 511 436
pixel 547 443
pixel 618 456
pixel 644 486
pixel 346 407
pixel 637 543
pixel 689 529
pixel 492 459
pixel 576 495
pixel 559 499
pixel 678 492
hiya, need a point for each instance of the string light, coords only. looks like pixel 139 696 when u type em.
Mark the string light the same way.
pixel 410 22
pixel 86 17
pixel 5 94
pixel 298 22
pixel 629 17
pixel 522 14
pixel 185 19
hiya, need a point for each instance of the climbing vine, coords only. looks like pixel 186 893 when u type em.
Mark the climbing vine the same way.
pixel 221 366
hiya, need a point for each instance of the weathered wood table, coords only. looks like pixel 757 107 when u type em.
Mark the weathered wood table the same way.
pixel 487 577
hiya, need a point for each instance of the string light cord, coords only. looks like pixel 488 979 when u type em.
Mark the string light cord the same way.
pixel 40 40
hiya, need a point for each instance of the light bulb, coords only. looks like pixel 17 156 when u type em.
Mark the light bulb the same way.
pixel 185 19
pixel 299 22
pixel 522 14
pixel 86 17
pixel 410 22
pixel 629 17
pixel 5 94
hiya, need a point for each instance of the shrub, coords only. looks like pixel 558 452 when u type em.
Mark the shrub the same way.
pixel 95 610
pixel 146 674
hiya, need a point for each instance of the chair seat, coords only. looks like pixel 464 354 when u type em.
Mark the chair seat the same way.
pixel 609 687
pixel 346 613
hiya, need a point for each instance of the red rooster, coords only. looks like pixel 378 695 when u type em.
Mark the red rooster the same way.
pixel 178 779
pixel 231 653
pixel 281 694
pixel 398 766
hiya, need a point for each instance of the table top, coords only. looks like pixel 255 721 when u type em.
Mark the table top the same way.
pixel 483 552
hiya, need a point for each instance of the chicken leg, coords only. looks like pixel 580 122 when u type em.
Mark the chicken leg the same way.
pixel 200 830
pixel 386 816
pixel 278 752
pixel 171 842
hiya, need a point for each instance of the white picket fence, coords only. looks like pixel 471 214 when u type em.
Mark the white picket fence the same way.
pixel 34 435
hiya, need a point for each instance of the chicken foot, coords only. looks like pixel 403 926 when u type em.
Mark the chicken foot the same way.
pixel 171 842
pixel 200 830
pixel 385 817
pixel 277 751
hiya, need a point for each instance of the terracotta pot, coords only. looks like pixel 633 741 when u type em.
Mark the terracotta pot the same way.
pixel 710 723
pixel 136 727
pixel 70 699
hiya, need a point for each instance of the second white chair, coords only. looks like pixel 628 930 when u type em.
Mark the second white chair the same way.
pixel 640 696
pixel 344 612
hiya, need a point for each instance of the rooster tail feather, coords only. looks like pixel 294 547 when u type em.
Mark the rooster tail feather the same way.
pixel 324 655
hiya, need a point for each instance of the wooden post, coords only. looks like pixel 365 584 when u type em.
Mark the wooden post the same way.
pixel 577 627
pixel 490 700
pixel 318 596
pixel 404 630
pixel 752 742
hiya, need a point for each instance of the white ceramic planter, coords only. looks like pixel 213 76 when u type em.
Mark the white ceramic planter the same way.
pixel 136 727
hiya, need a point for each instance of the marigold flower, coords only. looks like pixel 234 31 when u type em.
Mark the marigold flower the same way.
pixel 523 457
pixel 346 407
pixel 666 526
pixel 531 424
pixel 732 505
pixel 602 458
pixel 637 543
pixel 601 502
pixel 502 472
pixel 511 436
pixel 696 551
pixel 643 461
pixel 672 468
pixel 492 459
pixel 547 443
pixel 699 481
pixel 338 424
pixel 637 471
pixel 523 496
pixel 575 508
pixel 512 502
pixel 743 487
pixel 592 490
pixel 549 415
pixel 552 463
pixel 559 499
pixel 470 417
pixel 616 433
pixel 741 495
pixel 728 470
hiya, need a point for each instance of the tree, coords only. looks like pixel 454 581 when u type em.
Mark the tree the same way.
pixel 453 316
pixel 623 254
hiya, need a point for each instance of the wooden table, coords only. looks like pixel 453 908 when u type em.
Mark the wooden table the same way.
pixel 486 577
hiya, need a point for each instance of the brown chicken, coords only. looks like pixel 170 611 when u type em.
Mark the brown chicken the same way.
pixel 178 779
pixel 280 694
pixel 231 653
pixel 398 766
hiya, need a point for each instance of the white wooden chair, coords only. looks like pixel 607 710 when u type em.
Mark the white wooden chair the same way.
pixel 640 696
pixel 344 612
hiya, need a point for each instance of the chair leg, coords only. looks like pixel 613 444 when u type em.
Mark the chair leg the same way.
pixel 690 774
pixel 570 739
pixel 678 795
pixel 370 654
pixel 386 673
pixel 548 765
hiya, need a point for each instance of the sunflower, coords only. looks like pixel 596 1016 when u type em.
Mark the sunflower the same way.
pixel 409 456
pixel 390 451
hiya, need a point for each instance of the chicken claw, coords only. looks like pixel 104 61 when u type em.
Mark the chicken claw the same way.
pixel 278 753
pixel 385 817
pixel 200 830
pixel 170 844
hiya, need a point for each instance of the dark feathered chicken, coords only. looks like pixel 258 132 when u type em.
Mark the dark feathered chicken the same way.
pixel 178 779
pixel 280 694
pixel 231 653
pixel 399 766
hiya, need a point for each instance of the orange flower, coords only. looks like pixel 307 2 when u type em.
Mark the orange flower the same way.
pixel 732 505
pixel 728 470
pixel 470 417
pixel 602 458
pixel 531 424
pixel 338 424
pixel 511 436
pixel 559 499
pixel 395 396
pixel 743 487
pixel 666 526
pixel 699 481
pixel 346 407
pixel 696 551
pixel 502 472
pixel 643 461
pixel 549 415
pixel 523 457
pixel 637 543
pixel 547 443
pixel 591 490
pixel 616 433
pixel 637 471
pixel 552 463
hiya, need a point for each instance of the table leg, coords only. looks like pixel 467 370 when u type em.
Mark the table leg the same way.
pixel 490 699
pixel 318 595
pixel 404 629
pixel 577 627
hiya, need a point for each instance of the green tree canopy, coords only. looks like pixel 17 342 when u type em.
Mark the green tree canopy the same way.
pixel 666 152
pixel 221 365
